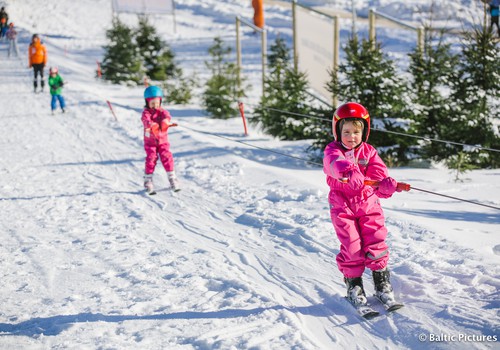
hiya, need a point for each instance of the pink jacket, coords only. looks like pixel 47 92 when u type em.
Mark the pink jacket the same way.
pixel 367 165
pixel 156 123
pixel 355 208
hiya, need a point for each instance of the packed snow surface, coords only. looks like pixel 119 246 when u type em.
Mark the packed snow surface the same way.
pixel 244 256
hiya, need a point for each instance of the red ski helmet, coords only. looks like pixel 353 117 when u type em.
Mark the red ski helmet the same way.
pixel 351 110
pixel 53 70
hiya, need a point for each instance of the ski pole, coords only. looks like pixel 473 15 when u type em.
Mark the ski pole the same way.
pixel 401 186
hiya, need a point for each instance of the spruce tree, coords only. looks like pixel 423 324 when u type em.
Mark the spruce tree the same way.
pixel 157 56
pixel 370 78
pixel 180 89
pixel 476 96
pixel 284 90
pixel 122 62
pixel 432 70
pixel 222 91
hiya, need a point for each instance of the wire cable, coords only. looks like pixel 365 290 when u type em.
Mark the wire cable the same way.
pixel 386 131
pixel 320 164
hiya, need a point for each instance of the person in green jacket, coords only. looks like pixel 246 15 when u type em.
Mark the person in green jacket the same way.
pixel 56 83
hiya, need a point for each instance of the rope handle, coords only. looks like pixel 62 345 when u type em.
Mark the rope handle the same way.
pixel 402 186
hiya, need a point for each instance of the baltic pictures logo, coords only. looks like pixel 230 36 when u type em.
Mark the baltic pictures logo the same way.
pixel 456 338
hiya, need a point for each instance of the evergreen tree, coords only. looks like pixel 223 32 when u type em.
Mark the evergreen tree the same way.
pixel 476 92
pixel 432 69
pixel 370 78
pixel 158 58
pixel 460 163
pixel 121 63
pixel 180 90
pixel 222 91
pixel 285 90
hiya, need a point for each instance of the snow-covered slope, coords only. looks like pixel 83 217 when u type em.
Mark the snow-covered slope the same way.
pixel 243 257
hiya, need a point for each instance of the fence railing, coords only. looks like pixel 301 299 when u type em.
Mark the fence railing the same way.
pixel 373 15
pixel 263 35
pixel 372 27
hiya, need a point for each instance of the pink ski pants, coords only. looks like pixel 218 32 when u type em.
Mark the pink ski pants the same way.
pixel 360 227
pixel 152 153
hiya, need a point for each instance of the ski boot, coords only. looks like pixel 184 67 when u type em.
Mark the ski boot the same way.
pixel 383 289
pixel 356 296
pixel 174 182
pixel 355 291
pixel 148 184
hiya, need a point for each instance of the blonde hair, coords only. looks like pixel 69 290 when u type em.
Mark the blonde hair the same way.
pixel 356 122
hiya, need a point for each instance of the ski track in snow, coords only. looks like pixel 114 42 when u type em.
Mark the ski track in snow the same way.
pixel 242 258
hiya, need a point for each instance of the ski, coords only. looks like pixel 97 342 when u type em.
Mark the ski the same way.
pixel 390 305
pixel 364 310
pixel 151 192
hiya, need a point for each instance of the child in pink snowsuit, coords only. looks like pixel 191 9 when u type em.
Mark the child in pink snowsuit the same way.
pixel 354 207
pixel 157 121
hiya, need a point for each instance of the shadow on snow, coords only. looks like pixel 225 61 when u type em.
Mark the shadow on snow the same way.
pixel 55 325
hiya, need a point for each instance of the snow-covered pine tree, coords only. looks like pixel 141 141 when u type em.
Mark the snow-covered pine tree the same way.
pixel 476 98
pixel 285 90
pixel 222 90
pixel 180 89
pixel 122 62
pixel 158 58
pixel 370 78
pixel 431 69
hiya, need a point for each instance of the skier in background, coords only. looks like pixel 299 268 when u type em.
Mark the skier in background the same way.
pixel 12 37
pixel 4 20
pixel 56 84
pixel 494 11
pixel 157 121
pixel 37 57
pixel 355 208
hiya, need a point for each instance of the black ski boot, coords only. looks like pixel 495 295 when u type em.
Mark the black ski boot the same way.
pixel 383 289
pixel 355 291
pixel 381 280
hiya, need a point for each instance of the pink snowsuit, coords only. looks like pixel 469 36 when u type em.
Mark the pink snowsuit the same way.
pixel 356 215
pixel 156 123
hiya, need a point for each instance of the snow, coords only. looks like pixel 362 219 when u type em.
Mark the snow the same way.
pixel 244 256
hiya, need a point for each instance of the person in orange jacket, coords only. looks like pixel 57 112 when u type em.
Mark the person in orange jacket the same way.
pixel 258 16
pixel 37 55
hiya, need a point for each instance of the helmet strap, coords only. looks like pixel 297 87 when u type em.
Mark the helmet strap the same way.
pixel 347 148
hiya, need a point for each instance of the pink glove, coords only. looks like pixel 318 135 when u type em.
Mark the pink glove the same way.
pixel 342 167
pixel 388 186
pixel 155 129
pixel 356 180
pixel 166 124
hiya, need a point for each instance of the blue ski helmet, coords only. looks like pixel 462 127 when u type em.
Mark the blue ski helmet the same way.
pixel 152 92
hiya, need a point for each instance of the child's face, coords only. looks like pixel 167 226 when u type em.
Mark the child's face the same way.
pixel 154 103
pixel 351 134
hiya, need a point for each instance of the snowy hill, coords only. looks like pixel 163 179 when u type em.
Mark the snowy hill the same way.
pixel 244 256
